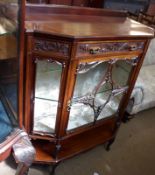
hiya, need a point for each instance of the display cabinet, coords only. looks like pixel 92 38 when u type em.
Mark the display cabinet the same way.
pixel 12 137
pixel 80 71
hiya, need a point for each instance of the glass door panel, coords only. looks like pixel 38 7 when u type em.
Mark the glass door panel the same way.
pixel 47 87
pixel 88 76
pixel 98 91
pixel 80 114
pixel 109 104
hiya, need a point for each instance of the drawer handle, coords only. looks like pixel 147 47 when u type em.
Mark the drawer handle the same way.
pixel 133 47
pixel 94 50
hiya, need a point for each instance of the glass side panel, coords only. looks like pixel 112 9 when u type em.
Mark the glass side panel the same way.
pixel 47 87
pixel 98 91
pixel 9 63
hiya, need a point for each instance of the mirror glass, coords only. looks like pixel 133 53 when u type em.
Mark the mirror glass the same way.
pixel 9 65
pixel 98 91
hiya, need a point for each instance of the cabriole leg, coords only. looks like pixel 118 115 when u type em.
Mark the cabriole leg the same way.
pixel 54 168
pixel 108 144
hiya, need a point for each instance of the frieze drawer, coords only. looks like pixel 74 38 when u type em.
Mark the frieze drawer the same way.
pixel 54 47
pixel 87 49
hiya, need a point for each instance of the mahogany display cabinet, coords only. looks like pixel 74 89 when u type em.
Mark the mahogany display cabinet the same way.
pixel 81 67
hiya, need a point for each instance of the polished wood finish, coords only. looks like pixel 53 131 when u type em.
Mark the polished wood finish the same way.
pixel 63 2
pixel 92 29
pixel 71 144
pixel 151 9
pixel 32 10
pixel 147 19
pixel 21 64
pixel 38 1
pixel 143 18
pixel 82 3
pixel 79 31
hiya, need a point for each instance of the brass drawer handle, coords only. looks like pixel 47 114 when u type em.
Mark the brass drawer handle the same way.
pixel 133 47
pixel 94 50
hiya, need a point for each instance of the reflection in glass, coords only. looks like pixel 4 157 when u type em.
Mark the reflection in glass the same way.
pixel 47 86
pixel 98 91
pixel 9 32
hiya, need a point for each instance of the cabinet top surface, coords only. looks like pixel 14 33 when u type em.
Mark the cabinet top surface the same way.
pixel 73 25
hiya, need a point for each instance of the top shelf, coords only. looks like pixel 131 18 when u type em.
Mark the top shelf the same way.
pixel 83 23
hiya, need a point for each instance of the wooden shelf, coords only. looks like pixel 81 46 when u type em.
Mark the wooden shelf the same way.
pixel 71 145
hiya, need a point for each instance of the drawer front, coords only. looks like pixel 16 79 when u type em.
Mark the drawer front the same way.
pixel 102 48
pixel 52 47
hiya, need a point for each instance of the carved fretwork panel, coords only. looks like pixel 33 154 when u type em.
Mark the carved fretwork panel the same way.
pixel 98 90
pixel 51 46
pixel 86 49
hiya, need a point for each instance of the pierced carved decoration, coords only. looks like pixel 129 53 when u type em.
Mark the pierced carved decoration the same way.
pixel 50 60
pixel 85 67
pixel 106 47
pixel 90 99
pixel 60 48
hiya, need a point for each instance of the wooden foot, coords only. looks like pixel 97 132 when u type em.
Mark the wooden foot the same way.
pixel 54 168
pixel 108 144
pixel 127 117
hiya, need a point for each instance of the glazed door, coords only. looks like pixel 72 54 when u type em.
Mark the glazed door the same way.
pixel 9 65
pixel 98 90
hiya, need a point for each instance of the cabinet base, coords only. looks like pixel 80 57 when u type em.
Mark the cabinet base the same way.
pixel 73 144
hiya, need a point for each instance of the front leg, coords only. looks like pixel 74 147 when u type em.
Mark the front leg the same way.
pixel 54 168
pixel 108 144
